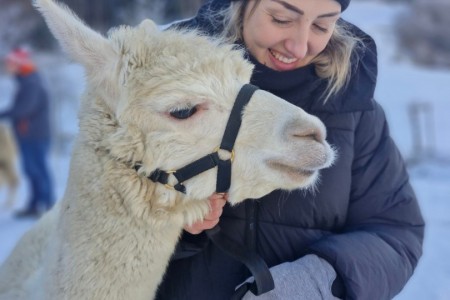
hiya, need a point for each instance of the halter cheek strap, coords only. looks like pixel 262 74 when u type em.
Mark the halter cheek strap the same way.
pixel 230 135
pixel 211 160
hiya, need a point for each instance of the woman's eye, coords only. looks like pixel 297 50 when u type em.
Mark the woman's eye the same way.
pixel 183 113
pixel 280 22
pixel 320 28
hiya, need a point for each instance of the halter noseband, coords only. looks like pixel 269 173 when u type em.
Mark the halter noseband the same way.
pixel 211 160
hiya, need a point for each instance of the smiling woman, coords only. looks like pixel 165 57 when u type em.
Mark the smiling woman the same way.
pixel 357 234
pixel 284 36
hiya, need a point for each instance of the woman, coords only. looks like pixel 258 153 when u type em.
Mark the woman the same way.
pixel 358 234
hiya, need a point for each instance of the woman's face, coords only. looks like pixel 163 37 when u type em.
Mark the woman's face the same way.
pixel 288 34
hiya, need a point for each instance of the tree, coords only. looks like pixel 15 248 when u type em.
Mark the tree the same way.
pixel 423 33
pixel 21 23
pixel 17 19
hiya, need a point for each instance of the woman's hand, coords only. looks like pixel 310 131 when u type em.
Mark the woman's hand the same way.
pixel 216 204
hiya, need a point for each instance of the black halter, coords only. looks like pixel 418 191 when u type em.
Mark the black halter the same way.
pixel 211 160
pixel 263 279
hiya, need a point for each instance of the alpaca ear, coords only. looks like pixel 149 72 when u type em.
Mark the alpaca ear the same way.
pixel 149 26
pixel 80 42
pixel 84 46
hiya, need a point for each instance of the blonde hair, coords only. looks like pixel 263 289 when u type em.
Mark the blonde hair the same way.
pixel 333 63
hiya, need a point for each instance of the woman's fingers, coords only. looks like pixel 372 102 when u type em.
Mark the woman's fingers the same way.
pixel 200 226
pixel 216 203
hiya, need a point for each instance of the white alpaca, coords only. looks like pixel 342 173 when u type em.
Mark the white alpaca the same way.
pixel 8 172
pixel 112 234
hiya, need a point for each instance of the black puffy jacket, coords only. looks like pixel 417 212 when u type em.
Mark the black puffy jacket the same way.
pixel 363 217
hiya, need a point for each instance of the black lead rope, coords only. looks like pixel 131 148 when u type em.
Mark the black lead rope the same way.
pixel 263 279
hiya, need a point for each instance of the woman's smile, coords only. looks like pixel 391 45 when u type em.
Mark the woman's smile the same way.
pixel 281 62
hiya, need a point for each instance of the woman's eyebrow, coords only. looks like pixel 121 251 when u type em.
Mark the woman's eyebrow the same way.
pixel 301 12
pixel 290 6
pixel 329 15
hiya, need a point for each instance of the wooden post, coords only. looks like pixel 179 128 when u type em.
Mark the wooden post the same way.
pixel 422 129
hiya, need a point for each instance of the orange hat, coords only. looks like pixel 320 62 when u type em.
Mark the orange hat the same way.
pixel 21 58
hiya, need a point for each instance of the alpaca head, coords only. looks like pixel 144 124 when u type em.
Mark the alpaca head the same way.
pixel 176 89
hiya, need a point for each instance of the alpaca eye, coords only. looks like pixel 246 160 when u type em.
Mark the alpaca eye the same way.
pixel 183 113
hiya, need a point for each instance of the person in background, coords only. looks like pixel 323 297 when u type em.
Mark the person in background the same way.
pixel 29 115
pixel 358 233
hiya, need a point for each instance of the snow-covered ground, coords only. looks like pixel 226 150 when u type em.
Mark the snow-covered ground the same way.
pixel 400 84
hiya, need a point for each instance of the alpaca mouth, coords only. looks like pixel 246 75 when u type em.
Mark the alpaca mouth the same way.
pixel 290 170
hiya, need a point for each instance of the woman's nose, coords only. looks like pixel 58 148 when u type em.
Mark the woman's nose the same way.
pixel 297 44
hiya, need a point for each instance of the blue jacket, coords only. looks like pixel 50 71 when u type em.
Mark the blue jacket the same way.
pixel 29 112
pixel 363 218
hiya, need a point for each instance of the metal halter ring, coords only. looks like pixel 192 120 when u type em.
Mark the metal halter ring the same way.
pixel 231 153
pixel 168 185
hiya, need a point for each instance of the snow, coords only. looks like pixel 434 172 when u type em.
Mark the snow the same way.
pixel 400 84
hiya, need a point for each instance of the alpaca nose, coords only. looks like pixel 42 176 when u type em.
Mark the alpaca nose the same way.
pixel 310 134
pixel 314 131
pixel 309 137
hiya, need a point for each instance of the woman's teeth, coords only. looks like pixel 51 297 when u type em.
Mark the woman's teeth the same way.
pixel 282 58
